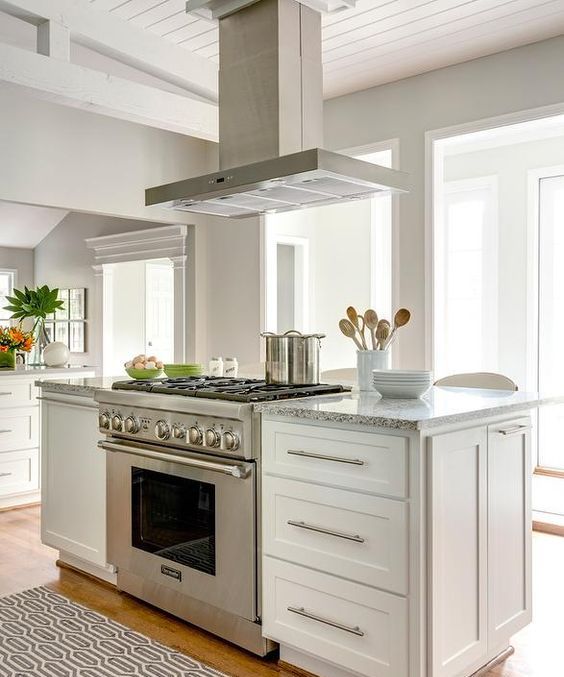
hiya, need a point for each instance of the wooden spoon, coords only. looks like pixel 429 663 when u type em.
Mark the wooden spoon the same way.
pixel 401 318
pixel 348 329
pixel 355 321
pixel 382 333
pixel 371 322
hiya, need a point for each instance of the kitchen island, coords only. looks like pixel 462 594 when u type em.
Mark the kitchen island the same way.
pixel 397 533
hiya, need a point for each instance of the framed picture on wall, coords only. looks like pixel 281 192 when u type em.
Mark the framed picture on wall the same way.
pixel 68 323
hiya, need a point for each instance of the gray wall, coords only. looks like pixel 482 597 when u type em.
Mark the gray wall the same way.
pixel 20 260
pixel 515 80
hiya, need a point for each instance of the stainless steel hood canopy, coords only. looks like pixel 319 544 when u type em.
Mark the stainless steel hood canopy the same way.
pixel 270 119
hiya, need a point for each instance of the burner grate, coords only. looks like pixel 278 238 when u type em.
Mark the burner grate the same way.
pixel 232 389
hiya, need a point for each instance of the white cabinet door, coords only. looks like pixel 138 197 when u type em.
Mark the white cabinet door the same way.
pixel 458 542
pixel 73 480
pixel 509 530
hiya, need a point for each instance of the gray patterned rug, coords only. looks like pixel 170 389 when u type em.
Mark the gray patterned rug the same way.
pixel 45 635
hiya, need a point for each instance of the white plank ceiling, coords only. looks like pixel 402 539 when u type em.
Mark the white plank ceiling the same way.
pixel 378 41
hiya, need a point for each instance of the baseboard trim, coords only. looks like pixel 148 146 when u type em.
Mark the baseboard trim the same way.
pixel 502 656
pixel 97 573
pixel 20 506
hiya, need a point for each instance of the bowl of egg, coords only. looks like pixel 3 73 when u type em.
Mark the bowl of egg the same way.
pixel 143 367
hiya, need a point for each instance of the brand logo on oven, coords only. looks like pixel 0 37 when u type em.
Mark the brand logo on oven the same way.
pixel 173 573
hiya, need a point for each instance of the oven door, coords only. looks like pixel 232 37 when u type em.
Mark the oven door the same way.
pixel 184 521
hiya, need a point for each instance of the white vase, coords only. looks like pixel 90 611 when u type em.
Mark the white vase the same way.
pixel 367 361
pixel 56 354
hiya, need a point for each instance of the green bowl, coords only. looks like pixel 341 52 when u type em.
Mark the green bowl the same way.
pixel 182 370
pixel 144 373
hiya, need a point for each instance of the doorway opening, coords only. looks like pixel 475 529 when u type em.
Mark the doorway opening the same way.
pixel 498 283
pixel 138 312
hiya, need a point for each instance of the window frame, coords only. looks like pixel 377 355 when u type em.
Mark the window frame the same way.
pixel 490 262
pixel 14 273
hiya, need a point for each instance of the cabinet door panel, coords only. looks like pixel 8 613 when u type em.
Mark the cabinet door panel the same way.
pixel 509 529
pixel 458 540
pixel 73 486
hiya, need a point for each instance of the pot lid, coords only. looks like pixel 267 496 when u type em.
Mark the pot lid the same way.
pixel 292 333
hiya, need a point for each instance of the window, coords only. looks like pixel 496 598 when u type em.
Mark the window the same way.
pixel 7 284
pixel 466 278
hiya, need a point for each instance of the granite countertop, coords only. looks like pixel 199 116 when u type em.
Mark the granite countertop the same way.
pixel 441 406
pixel 78 386
pixel 32 370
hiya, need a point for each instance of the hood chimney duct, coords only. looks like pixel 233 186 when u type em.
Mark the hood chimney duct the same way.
pixel 270 82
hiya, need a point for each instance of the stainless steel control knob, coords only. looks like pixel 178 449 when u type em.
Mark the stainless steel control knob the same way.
pixel 231 441
pixel 212 438
pixel 178 432
pixel 195 435
pixel 162 430
pixel 104 420
pixel 117 422
pixel 132 425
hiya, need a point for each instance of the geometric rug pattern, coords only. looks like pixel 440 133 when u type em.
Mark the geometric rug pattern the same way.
pixel 43 634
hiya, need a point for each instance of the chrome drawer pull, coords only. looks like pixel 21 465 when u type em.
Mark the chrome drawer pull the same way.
pixel 514 430
pixel 307 614
pixel 323 457
pixel 322 530
pixel 6 431
pixel 6 393
pixel 6 474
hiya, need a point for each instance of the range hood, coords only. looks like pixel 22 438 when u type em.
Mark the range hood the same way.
pixel 270 119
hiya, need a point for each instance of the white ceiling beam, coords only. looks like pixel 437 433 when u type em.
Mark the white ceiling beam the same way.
pixel 72 85
pixel 119 39
pixel 53 39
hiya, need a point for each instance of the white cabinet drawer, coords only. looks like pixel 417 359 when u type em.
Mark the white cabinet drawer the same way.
pixel 19 428
pixel 357 536
pixel 350 625
pixel 16 392
pixel 367 462
pixel 19 471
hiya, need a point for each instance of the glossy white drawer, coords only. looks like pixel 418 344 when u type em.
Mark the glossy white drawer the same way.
pixel 16 392
pixel 367 462
pixel 19 471
pixel 353 626
pixel 19 428
pixel 357 536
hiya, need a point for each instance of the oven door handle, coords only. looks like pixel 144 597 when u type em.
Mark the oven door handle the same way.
pixel 238 470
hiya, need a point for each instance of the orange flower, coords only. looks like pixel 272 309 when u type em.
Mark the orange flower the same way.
pixel 3 349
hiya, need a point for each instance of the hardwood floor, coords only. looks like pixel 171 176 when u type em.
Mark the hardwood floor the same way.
pixel 26 563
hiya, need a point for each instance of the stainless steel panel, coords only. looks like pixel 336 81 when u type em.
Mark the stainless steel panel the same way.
pixel 240 631
pixel 234 586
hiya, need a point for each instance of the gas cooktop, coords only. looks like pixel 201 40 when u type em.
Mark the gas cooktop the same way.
pixel 234 389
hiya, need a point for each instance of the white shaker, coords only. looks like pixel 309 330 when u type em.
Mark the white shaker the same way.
pixel 230 367
pixel 216 366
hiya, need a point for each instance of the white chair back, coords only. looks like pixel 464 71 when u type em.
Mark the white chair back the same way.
pixel 345 377
pixel 478 379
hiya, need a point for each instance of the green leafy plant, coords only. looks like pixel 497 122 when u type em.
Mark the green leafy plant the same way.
pixel 36 303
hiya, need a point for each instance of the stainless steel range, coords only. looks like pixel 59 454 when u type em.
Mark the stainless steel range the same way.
pixel 183 481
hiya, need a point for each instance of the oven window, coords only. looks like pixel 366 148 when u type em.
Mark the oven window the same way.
pixel 174 517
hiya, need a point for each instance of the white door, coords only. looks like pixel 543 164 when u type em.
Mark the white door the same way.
pixel 159 315
pixel 549 494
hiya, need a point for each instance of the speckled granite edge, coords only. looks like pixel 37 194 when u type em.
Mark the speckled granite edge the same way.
pixel 291 410
pixel 85 387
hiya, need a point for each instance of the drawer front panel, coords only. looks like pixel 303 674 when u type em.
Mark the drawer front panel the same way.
pixel 19 471
pixel 367 462
pixel 350 625
pixel 360 537
pixel 19 428
pixel 16 392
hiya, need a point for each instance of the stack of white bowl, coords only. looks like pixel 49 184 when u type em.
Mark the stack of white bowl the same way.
pixel 402 383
